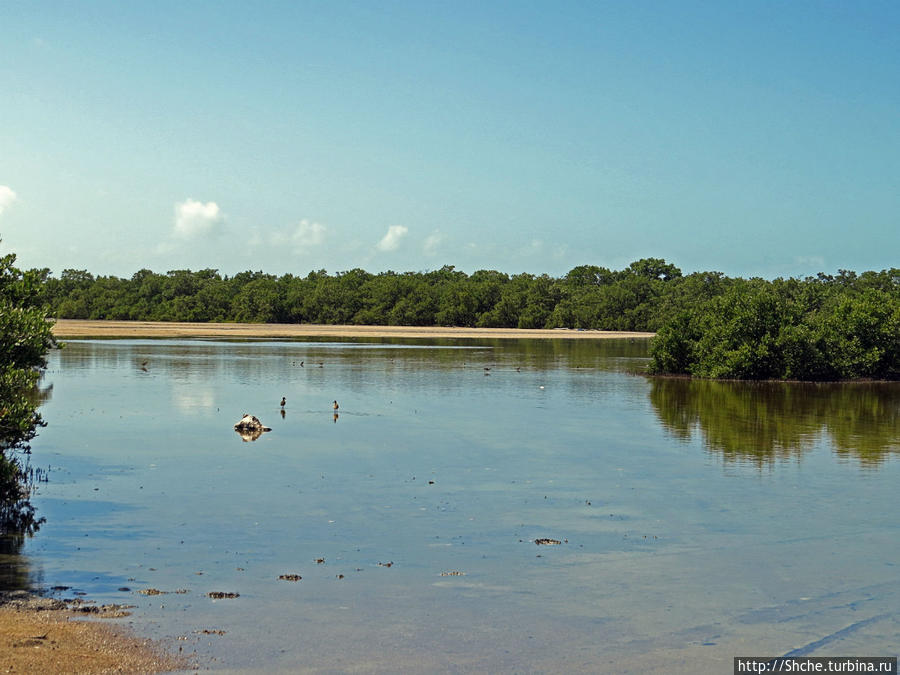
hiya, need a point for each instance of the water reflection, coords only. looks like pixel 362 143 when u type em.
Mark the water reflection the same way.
pixel 19 521
pixel 208 360
pixel 761 423
pixel 18 517
pixel 248 435
pixel 14 568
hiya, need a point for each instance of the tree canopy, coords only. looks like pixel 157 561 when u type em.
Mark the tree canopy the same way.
pixel 588 297
pixel 822 328
pixel 708 325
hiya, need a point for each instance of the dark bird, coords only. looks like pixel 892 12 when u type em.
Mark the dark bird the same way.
pixel 335 406
pixel 283 401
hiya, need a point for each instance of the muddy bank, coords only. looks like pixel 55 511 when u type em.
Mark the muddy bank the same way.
pixel 46 635
pixel 73 328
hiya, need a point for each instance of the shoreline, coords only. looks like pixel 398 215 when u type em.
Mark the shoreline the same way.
pixel 78 328
pixel 45 635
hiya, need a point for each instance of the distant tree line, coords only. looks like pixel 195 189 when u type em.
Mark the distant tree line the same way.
pixel 25 338
pixel 709 325
pixel 588 297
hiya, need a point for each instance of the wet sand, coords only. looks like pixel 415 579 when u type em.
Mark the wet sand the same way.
pixel 74 328
pixel 40 635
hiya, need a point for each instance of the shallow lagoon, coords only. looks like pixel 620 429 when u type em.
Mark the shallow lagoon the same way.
pixel 698 521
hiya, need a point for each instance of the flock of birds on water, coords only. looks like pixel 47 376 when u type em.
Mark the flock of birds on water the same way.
pixel 251 423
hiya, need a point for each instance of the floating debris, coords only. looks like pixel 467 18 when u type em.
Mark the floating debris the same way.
pixel 219 595
pixel 387 564
pixel 454 573
pixel 152 591
pixel 290 577
pixel 547 542
pixel 207 631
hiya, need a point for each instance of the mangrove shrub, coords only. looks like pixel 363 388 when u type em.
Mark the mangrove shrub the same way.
pixel 25 338
pixel 819 329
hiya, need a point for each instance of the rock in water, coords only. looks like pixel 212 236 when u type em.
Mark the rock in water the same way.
pixel 250 428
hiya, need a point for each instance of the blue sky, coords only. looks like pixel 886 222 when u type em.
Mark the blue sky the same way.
pixel 752 138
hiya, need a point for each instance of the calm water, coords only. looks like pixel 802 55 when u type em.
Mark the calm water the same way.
pixel 698 521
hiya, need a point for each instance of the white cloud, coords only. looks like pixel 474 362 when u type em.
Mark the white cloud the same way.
pixel 7 197
pixel 534 247
pixel 432 241
pixel 299 238
pixel 810 261
pixel 193 218
pixel 308 234
pixel 391 240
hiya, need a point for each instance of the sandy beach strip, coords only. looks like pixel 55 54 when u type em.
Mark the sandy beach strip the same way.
pixel 38 635
pixel 75 328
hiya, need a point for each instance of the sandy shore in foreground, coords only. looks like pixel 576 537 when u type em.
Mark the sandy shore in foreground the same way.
pixel 74 328
pixel 40 635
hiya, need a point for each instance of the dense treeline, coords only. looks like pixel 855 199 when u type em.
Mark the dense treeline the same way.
pixel 822 328
pixel 635 298
pixel 709 325
pixel 25 338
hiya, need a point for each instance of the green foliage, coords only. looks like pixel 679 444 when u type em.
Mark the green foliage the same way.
pixel 587 297
pixel 822 328
pixel 708 325
pixel 25 337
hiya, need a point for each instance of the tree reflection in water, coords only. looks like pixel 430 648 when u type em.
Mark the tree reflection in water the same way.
pixel 18 517
pixel 762 422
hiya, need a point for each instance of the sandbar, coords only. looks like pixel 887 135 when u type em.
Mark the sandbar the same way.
pixel 77 328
